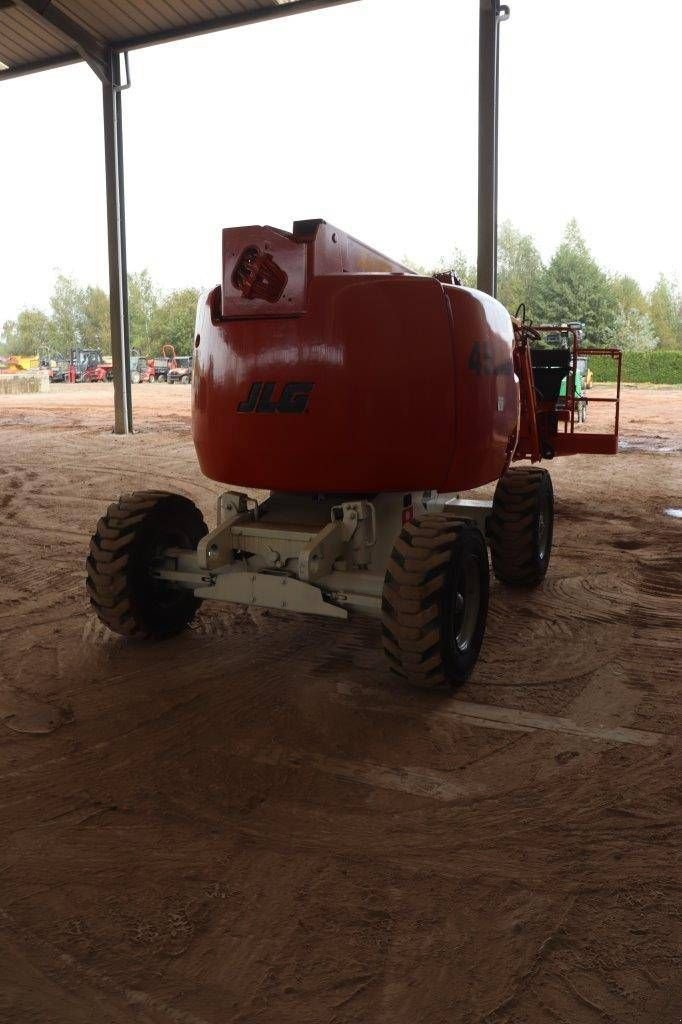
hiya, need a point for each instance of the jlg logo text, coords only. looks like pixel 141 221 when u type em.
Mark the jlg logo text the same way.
pixel 293 398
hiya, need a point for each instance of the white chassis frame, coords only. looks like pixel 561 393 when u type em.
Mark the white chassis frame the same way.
pixel 304 553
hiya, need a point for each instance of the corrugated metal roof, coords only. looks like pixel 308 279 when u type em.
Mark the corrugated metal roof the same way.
pixel 29 42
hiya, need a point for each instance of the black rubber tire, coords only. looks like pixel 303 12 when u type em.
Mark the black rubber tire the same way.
pixel 134 530
pixel 521 526
pixel 436 584
pixel 185 379
pixel 161 378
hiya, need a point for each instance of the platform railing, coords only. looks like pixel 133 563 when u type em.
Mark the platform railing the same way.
pixel 579 353
pixel 569 441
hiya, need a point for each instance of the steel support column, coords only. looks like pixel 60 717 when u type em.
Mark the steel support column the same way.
pixel 118 273
pixel 491 13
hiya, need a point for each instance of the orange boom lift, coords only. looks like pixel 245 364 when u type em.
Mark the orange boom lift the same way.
pixel 369 401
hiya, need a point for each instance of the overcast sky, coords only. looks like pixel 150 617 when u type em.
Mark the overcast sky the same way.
pixel 364 115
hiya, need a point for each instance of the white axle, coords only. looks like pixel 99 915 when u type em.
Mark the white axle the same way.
pixel 303 553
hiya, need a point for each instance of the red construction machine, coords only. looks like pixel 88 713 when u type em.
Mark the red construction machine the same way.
pixel 97 373
pixel 368 401
pixel 160 366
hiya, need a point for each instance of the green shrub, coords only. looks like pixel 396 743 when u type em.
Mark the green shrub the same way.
pixel 657 367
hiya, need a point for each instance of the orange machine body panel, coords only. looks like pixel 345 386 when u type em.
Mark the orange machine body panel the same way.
pixel 371 381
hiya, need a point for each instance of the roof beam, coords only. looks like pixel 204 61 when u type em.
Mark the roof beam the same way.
pixel 282 10
pixel 88 48
pixel 40 65
pixel 94 52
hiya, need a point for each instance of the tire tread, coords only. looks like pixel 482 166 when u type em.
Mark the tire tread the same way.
pixel 415 578
pixel 108 582
pixel 511 525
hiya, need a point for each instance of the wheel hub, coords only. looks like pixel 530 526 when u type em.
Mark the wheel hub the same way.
pixel 467 603
pixel 543 532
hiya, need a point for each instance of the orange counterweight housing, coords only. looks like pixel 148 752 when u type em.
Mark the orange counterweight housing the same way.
pixel 322 366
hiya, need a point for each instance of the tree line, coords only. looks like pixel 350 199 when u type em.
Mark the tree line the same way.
pixel 79 317
pixel 572 286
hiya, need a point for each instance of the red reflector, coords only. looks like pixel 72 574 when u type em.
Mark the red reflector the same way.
pixel 257 276
pixel 408 514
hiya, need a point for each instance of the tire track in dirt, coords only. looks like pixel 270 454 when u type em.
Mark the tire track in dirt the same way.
pixel 12 486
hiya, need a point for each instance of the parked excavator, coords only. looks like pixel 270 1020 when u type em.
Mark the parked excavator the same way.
pixel 369 401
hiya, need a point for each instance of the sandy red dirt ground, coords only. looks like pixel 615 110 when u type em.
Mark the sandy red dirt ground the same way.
pixel 255 823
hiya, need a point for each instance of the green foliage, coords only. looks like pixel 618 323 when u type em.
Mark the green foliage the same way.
pixel 666 313
pixel 9 343
pixel 95 327
pixel 628 294
pixel 573 287
pixel 68 316
pixel 80 317
pixel 30 334
pixel 519 271
pixel 143 300
pixel 655 367
pixel 173 321
pixel 615 310
pixel 633 331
